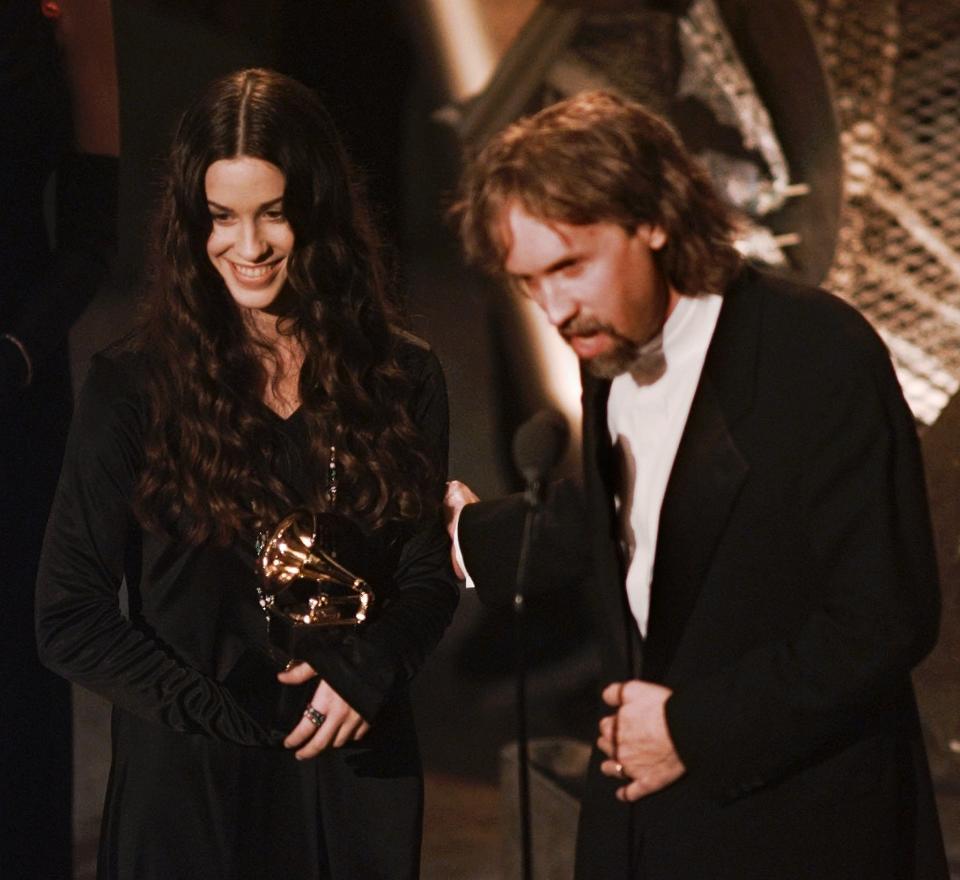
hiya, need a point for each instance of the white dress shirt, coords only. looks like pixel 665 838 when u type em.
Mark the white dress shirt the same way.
pixel 646 421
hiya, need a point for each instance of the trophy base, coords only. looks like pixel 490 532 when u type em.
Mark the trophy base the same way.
pixel 294 640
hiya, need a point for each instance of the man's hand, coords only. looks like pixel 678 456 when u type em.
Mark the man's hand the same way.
pixel 636 739
pixel 458 496
pixel 329 720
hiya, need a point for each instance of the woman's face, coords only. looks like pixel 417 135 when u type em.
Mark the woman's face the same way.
pixel 250 239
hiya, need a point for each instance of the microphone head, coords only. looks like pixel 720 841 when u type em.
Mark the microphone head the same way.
pixel 539 444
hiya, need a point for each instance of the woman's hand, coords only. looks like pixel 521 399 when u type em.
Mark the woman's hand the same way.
pixel 329 720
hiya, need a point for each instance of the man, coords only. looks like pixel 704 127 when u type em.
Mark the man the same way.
pixel 754 507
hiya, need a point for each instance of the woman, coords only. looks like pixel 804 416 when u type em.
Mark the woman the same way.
pixel 267 374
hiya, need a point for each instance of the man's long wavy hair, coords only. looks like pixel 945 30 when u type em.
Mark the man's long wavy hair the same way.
pixel 594 158
pixel 211 444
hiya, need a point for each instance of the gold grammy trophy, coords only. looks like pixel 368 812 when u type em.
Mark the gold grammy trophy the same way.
pixel 307 589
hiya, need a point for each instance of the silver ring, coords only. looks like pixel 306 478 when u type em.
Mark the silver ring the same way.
pixel 315 717
pixel 619 771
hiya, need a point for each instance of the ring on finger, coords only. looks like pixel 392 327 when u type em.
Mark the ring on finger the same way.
pixel 315 717
pixel 619 771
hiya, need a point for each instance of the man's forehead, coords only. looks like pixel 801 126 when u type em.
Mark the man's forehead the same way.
pixel 529 242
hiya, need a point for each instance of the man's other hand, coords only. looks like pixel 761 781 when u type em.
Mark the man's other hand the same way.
pixel 636 739
pixel 458 496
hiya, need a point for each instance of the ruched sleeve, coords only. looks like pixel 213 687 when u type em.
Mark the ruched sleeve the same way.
pixel 82 633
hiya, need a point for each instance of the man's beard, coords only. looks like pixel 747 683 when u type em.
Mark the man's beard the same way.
pixel 645 362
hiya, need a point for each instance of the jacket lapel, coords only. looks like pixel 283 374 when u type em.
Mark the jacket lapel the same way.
pixel 706 477
pixel 600 477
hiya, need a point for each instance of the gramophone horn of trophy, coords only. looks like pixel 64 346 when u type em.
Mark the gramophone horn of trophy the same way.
pixel 306 588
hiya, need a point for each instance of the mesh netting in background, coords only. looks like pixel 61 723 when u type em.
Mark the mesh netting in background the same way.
pixel 895 70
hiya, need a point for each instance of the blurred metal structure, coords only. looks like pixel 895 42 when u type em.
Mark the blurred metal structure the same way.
pixel 895 68
pixel 463 44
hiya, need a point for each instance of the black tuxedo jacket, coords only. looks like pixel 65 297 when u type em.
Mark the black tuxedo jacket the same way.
pixel 794 588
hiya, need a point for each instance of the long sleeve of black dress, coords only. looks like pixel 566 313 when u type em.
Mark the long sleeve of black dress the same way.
pixel 81 631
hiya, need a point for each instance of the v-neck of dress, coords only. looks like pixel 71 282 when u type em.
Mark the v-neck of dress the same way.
pixel 285 420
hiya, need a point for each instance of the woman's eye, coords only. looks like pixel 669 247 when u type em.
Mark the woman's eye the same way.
pixel 275 215
pixel 219 218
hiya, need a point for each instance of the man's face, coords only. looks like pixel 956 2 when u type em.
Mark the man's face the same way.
pixel 598 284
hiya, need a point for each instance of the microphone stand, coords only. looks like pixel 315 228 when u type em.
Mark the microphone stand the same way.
pixel 533 496
pixel 537 447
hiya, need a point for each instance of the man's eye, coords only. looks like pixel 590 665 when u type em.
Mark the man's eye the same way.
pixel 527 287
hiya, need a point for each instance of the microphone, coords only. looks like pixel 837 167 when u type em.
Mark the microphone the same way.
pixel 537 447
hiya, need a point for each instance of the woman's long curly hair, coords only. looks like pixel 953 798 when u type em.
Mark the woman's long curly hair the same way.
pixel 211 444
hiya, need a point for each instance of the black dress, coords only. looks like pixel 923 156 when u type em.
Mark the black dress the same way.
pixel 200 785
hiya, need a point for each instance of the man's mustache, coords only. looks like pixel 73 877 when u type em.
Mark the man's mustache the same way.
pixel 582 326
